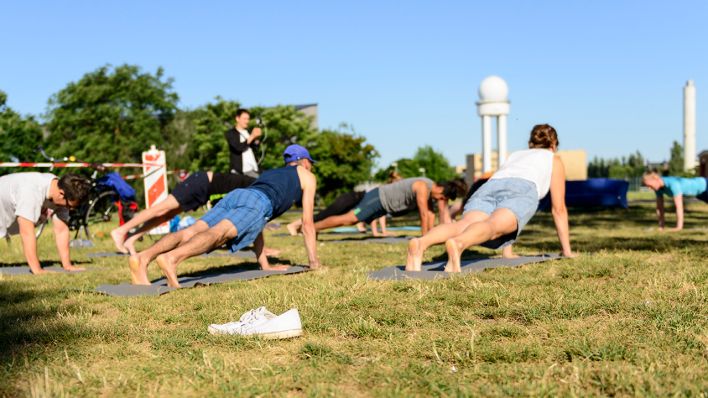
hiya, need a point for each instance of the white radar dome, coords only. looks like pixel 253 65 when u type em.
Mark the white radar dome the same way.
pixel 493 89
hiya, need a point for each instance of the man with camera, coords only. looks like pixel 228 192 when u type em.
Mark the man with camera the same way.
pixel 243 145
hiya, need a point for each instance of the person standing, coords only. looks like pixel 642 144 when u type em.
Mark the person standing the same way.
pixel 243 145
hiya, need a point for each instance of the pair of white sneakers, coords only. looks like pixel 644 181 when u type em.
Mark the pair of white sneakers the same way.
pixel 263 323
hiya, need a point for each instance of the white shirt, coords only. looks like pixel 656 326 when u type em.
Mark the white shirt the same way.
pixel 24 195
pixel 248 158
pixel 535 165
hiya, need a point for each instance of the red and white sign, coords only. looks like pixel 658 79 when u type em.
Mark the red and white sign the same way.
pixel 155 172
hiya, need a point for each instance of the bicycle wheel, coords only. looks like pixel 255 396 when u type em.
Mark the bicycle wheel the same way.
pixel 101 209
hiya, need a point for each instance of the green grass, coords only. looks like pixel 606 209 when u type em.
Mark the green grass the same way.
pixel 627 318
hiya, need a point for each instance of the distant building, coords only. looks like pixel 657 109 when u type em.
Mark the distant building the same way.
pixel 309 110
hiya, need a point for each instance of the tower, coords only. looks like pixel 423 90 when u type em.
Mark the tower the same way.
pixel 493 102
pixel 689 126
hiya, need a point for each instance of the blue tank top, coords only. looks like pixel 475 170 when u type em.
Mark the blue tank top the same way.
pixel 281 186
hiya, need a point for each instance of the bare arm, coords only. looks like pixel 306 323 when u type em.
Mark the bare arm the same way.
pixel 444 211
pixel 29 244
pixel 421 196
pixel 660 210
pixel 678 202
pixel 559 210
pixel 61 237
pixel 309 186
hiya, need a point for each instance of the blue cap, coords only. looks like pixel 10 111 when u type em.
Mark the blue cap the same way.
pixel 296 152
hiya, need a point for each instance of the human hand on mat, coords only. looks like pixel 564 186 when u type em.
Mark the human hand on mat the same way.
pixel 42 271
pixel 570 255
pixel 277 267
pixel 72 268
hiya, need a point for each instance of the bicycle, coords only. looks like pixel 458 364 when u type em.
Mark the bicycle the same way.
pixel 104 200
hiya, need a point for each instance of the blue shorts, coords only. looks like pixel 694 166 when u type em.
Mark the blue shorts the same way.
pixel 515 194
pixel 247 209
pixel 370 207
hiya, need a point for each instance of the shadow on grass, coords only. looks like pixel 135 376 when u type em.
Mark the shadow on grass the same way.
pixel 232 269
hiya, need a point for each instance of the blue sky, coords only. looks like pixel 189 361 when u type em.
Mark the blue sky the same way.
pixel 607 74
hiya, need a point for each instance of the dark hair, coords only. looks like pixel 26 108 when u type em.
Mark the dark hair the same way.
pixel 543 136
pixel 75 187
pixel 241 111
pixel 454 188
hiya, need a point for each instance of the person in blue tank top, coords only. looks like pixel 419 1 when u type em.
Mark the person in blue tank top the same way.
pixel 238 220
pixel 676 188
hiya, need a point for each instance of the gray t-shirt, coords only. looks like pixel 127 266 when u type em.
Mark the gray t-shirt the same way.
pixel 398 197
pixel 24 195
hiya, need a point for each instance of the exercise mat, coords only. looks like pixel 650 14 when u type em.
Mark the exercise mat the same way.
pixel 25 270
pixel 371 239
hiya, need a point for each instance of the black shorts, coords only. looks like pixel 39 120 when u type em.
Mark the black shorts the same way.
pixel 193 192
pixel 370 208
pixel 704 195
pixel 341 205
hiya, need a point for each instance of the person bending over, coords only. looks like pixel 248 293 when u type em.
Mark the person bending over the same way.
pixel 496 214
pixel 398 198
pixel 27 199
pixel 676 188
pixel 189 195
pixel 238 219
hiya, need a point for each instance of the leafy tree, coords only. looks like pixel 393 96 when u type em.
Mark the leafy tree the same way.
pixel 343 161
pixel 206 148
pixel 19 136
pixel 676 160
pixel 625 167
pixel 426 161
pixel 111 114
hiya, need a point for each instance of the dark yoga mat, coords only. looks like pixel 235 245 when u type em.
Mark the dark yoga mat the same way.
pixel 371 239
pixel 25 270
pixel 437 270
pixel 209 277
pixel 215 253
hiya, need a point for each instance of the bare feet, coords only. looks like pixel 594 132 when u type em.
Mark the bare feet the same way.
pixel 138 270
pixel 119 239
pixel 130 244
pixel 415 255
pixel 270 252
pixel 169 269
pixel 293 228
pixel 454 251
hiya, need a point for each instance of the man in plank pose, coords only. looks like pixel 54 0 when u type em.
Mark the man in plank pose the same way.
pixel 189 195
pixel 239 219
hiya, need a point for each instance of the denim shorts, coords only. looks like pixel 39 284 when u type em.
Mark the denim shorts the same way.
pixel 515 194
pixel 247 209
pixel 370 207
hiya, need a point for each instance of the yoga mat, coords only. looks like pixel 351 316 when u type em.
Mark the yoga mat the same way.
pixel 215 253
pixel 353 230
pixel 435 270
pixel 209 277
pixel 25 270
pixel 385 240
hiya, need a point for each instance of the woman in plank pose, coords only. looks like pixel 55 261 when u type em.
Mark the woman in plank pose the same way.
pixel 495 215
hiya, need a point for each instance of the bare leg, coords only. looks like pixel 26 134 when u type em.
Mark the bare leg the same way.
pixel 130 242
pixel 139 262
pixel 160 209
pixel 437 235
pixel 336 221
pixel 508 252
pixel 200 243
pixel 374 228
pixel 294 227
pixel 501 222
pixel 361 227
pixel 382 222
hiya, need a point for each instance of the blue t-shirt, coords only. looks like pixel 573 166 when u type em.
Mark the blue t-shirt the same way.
pixel 674 186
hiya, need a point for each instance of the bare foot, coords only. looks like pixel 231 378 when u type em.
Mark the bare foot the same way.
pixel 138 270
pixel 169 269
pixel 415 255
pixel 293 228
pixel 130 244
pixel 270 252
pixel 454 251
pixel 119 239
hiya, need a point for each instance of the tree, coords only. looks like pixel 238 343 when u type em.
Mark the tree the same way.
pixel 19 136
pixel 111 114
pixel 343 161
pixel 426 161
pixel 676 160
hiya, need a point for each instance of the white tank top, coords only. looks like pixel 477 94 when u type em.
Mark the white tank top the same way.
pixel 533 165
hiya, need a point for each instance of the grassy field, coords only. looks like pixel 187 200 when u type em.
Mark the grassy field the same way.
pixel 629 317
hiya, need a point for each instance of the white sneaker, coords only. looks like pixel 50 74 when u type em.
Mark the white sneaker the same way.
pixel 252 317
pixel 282 326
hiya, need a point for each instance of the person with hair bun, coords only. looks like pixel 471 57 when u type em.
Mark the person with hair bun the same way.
pixel 495 215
